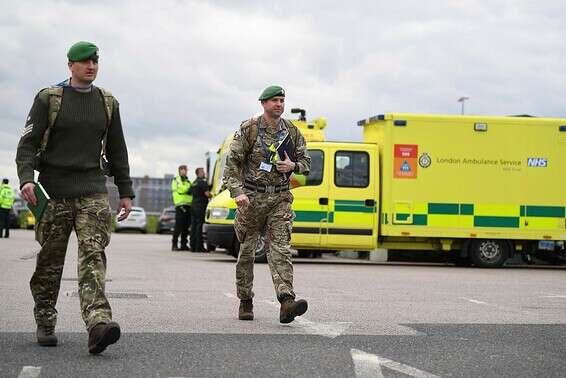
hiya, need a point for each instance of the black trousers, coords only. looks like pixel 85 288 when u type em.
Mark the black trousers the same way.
pixel 182 223
pixel 5 222
pixel 197 220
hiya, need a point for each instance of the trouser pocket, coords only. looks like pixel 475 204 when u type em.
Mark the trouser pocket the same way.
pixel 43 227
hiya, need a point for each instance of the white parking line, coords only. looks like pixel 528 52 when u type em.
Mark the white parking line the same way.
pixel 475 301
pixel 369 365
pixel 30 372
pixel 554 296
pixel 328 329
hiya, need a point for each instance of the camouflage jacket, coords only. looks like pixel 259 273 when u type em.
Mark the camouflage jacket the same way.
pixel 244 156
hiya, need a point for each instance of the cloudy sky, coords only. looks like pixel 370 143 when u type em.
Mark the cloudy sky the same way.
pixel 187 73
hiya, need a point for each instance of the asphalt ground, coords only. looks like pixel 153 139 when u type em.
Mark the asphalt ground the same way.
pixel 178 315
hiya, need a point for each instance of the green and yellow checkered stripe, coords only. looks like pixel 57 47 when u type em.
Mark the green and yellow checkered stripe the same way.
pixel 349 207
pixel 483 215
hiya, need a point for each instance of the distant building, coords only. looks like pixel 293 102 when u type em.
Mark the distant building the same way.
pixel 153 194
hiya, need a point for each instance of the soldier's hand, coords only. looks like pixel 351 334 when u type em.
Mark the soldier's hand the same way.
pixel 28 193
pixel 284 166
pixel 242 200
pixel 125 208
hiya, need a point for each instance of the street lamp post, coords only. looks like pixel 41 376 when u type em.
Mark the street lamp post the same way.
pixel 462 100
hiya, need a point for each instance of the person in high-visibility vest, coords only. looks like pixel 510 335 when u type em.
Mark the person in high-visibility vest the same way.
pixel 182 199
pixel 6 202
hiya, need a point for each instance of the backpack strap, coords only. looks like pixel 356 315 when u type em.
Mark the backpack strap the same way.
pixel 53 97
pixel 252 125
pixel 108 104
pixel 109 100
pixel 292 130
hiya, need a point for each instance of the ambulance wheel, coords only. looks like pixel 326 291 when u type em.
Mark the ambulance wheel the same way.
pixel 489 253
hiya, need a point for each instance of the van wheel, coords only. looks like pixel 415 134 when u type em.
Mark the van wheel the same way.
pixel 489 253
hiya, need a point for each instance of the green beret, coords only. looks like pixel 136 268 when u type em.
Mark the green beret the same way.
pixel 272 91
pixel 81 51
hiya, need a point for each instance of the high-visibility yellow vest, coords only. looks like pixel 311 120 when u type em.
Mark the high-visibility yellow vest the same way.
pixel 6 196
pixel 180 187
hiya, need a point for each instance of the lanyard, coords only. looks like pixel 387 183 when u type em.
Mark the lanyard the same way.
pixel 267 150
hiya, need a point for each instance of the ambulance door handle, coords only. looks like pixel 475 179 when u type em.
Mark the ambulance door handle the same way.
pixel 323 201
pixel 370 203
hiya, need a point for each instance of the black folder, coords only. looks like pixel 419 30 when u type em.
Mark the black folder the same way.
pixel 286 145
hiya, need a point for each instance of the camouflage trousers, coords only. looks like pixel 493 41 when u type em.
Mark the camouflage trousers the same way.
pixel 90 216
pixel 269 215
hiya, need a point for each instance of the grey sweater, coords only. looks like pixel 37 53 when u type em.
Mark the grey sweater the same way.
pixel 70 166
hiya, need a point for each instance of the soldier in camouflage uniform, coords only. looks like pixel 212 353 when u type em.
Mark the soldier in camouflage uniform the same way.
pixel 259 182
pixel 68 127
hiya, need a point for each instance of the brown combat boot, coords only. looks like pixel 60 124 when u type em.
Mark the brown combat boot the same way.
pixel 291 308
pixel 246 311
pixel 102 335
pixel 46 336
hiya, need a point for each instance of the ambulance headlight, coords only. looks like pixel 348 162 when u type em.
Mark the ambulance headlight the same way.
pixel 219 213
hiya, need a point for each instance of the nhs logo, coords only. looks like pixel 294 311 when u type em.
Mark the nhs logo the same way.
pixel 537 162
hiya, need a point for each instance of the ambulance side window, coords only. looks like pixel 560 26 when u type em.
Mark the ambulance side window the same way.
pixel 351 169
pixel 317 168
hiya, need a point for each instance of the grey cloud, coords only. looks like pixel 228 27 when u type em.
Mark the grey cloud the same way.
pixel 187 72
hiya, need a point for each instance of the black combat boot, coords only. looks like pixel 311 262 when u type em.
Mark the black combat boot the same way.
pixel 246 311
pixel 102 335
pixel 174 247
pixel 46 336
pixel 291 308
pixel 184 248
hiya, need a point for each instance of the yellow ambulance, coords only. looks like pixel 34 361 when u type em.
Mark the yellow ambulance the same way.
pixel 482 187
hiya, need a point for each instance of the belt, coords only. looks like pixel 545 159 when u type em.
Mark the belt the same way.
pixel 266 188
